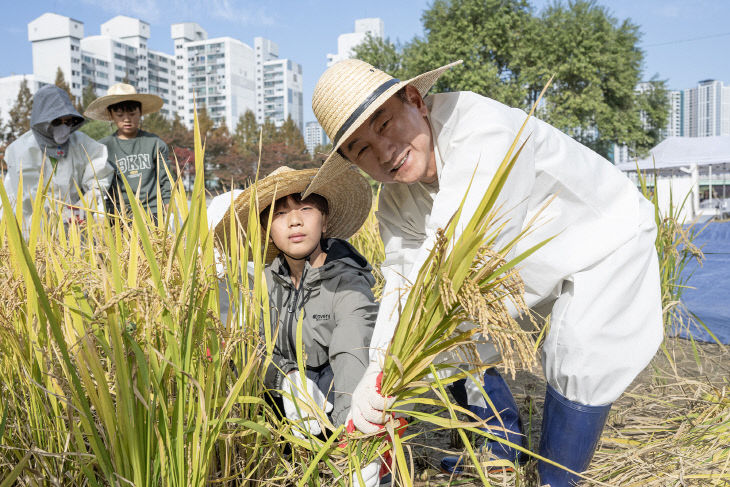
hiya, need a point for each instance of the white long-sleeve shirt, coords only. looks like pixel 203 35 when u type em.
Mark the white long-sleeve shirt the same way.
pixel 595 211
pixel 85 165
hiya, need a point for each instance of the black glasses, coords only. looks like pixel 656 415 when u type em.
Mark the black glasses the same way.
pixel 68 121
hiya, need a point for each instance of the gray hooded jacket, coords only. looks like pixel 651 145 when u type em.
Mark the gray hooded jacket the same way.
pixel 49 103
pixel 79 162
pixel 339 315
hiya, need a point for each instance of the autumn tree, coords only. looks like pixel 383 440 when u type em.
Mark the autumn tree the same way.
pixel 321 152
pixel 269 132
pixel 19 115
pixel 205 123
pixel 292 137
pixel 61 83
pixel 179 135
pixel 157 124
pixel 246 135
pixel 87 96
pixel 97 129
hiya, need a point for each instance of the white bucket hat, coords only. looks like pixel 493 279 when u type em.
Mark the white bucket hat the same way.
pixel 345 97
pixel 99 108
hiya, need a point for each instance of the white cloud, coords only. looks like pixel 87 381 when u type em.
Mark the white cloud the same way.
pixel 671 10
pixel 233 11
pixel 147 10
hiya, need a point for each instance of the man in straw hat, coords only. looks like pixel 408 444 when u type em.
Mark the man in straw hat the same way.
pixel 598 277
pixel 67 158
pixel 313 272
pixel 138 155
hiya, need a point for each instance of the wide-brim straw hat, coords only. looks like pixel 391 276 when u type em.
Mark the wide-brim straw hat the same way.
pixel 99 108
pixel 348 196
pixel 347 94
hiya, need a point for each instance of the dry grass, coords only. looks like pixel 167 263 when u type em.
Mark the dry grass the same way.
pixel 671 427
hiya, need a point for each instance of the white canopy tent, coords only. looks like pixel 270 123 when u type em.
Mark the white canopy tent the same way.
pixel 681 165
pixel 684 151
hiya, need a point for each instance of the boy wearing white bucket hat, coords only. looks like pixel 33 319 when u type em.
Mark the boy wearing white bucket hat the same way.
pixel 598 277
pixel 314 272
pixel 138 155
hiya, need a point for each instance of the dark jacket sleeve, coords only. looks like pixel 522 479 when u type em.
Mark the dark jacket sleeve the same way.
pixel 355 311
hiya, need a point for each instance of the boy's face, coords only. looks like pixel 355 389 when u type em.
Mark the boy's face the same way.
pixel 395 145
pixel 127 121
pixel 296 227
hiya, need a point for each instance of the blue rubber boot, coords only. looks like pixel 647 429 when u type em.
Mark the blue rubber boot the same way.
pixel 569 436
pixel 504 403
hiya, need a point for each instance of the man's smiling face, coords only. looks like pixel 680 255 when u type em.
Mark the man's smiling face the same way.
pixel 394 145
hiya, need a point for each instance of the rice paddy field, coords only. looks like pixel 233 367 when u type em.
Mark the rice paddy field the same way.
pixel 116 369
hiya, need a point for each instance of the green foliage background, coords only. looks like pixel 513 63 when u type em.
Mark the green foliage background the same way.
pixel 510 50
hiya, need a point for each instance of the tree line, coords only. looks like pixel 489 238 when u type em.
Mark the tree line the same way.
pixel 231 159
pixel 510 51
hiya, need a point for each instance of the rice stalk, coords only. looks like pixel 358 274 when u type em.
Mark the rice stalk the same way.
pixel 114 366
pixel 464 279
pixel 367 241
pixel 675 248
pixel 678 434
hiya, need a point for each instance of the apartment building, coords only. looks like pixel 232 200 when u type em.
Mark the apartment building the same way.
pixel 279 85
pixel 222 74
pixel 314 136
pixel 218 74
pixel 706 109
pixel 347 42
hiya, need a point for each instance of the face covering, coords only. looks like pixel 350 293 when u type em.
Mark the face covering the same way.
pixel 61 133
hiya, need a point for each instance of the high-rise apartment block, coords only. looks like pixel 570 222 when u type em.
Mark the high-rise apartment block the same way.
pixel 314 136
pixel 279 87
pixel 347 42
pixel 224 75
pixel 706 109
pixel 701 111
pixel 217 74
pixel 56 44
pixel 674 123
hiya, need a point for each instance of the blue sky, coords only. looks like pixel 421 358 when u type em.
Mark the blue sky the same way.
pixel 684 41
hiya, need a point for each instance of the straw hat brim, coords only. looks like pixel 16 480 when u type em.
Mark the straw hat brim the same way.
pixel 98 109
pixel 335 163
pixel 348 196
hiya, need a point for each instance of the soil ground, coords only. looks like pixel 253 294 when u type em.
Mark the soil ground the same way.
pixel 680 360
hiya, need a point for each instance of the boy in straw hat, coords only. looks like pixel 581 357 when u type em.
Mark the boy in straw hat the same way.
pixel 598 277
pixel 312 269
pixel 138 155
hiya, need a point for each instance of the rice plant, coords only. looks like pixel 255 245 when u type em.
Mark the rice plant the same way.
pixel 675 248
pixel 367 241
pixel 115 367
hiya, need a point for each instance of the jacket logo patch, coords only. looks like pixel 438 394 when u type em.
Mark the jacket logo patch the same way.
pixel 323 317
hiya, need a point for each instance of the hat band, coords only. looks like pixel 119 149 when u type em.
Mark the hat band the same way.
pixel 363 106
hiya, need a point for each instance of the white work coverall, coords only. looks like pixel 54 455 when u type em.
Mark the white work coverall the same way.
pixel 599 275
pixel 85 165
